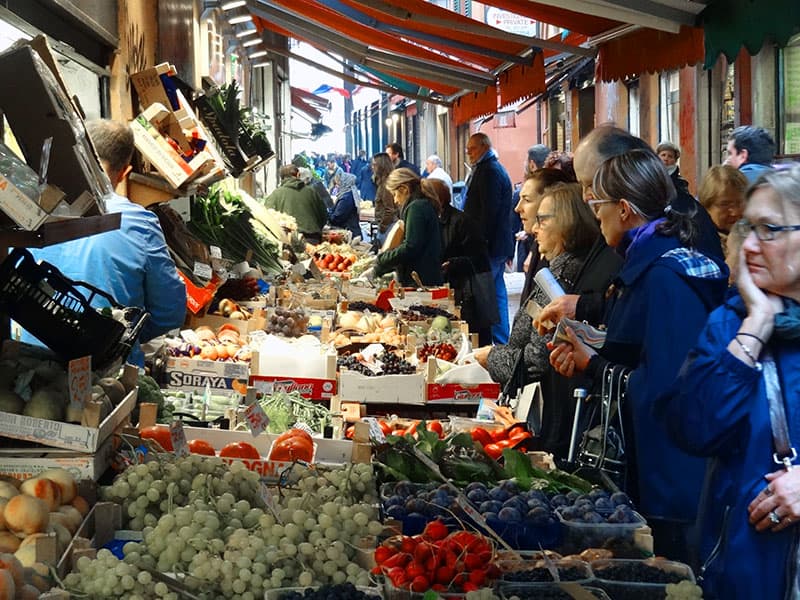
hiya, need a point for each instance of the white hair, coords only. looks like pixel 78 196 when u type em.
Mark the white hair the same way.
pixel 304 174
pixel 435 160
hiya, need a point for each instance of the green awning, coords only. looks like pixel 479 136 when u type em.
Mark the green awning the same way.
pixel 399 84
pixel 730 24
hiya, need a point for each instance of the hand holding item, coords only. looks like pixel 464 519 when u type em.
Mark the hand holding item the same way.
pixel 569 358
pixel 777 506
pixel 481 356
pixel 563 306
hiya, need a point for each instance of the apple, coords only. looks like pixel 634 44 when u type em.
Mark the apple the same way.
pixel 65 480
pixel 26 514
pixel 44 489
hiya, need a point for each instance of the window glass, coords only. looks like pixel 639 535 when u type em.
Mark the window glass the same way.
pixel 670 107
pixel 791 97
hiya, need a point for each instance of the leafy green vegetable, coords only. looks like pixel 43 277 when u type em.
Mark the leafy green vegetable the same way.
pixel 518 466
pixel 285 409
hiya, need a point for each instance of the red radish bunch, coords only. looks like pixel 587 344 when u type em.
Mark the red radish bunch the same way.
pixel 437 559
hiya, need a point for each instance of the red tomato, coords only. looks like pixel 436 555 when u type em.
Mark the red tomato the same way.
pixel 201 447
pixel 159 434
pixel 503 444
pixel 436 427
pixel 499 434
pixel 493 450
pixel 480 435
pixel 240 450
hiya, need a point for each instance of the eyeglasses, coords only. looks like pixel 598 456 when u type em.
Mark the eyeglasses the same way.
pixel 595 204
pixel 765 232
pixel 541 218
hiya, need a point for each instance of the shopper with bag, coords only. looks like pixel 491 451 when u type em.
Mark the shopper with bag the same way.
pixel 656 307
pixel 737 401
pixel 565 229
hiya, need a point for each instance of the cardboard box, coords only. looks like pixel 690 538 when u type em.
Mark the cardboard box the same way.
pixel 383 389
pixel 149 86
pixel 328 452
pixel 314 365
pixel 255 323
pixel 38 106
pixel 24 463
pixel 191 374
pixel 157 150
pixel 457 393
pixel 66 435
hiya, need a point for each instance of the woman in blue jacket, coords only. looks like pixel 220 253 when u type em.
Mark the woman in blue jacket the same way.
pixel 344 213
pixel 718 407
pixel 657 306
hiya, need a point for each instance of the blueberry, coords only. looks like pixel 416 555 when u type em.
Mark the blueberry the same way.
pixel 591 516
pixel 441 498
pixel 584 505
pixel 620 498
pixel 490 515
pixel 572 496
pixel 603 503
pixel 510 486
pixel 509 514
pixel 490 506
pixel 536 503
pixel 570 513
pixel 538 495
pixel 559 500
pixel 394 501
pixel 499 494
pixel 475 485
pixel 404 488
pixel 416 515
pixel 476 496
pixel 538 513
pixel 516 502
pixel 598 493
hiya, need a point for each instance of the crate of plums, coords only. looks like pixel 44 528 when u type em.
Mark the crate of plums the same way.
pixel 524 519
pixel 598 519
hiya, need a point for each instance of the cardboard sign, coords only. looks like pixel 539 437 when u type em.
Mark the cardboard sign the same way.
pixel 80 380
pixel 256 419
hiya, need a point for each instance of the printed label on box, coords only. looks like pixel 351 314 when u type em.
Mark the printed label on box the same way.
pixel 456 393
pixel 312 389
pixel 23 210
pixel 80 380
pixel 256 419
pixel 189 373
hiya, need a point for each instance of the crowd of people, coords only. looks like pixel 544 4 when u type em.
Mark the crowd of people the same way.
pixel 698 302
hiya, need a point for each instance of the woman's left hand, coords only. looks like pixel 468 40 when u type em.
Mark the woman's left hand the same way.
pixel 572 357
pixel 777 506
pixel 482 356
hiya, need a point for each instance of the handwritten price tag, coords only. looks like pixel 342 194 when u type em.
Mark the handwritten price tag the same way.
pixel 203 270
pixel 80 380
pixel 215 251
pixel 375 431
pixel 256 419
pixel 178 435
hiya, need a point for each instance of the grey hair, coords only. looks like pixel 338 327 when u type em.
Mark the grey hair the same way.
pixel 435 160
pixel 483 138
pixel 785 182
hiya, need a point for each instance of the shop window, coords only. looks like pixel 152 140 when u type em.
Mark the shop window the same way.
pixel 791 98
pixel 558 122
pixel 669 125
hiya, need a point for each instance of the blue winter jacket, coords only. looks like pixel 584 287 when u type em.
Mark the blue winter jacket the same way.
pixel 658 305
pixel 718 408
pixel 344 214
pixel 488 201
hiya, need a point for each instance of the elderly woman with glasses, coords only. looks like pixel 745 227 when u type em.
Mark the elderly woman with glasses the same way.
pixel 656 306
pixel 565 230
pixel 746 362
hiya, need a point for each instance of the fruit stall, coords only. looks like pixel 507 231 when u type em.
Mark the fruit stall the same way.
pixel 306 433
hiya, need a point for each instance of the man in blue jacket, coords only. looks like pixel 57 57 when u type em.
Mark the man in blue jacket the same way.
pixel 487 200
pixel 751 150
pixel 131 263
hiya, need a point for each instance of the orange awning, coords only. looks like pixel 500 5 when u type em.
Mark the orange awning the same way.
pixel 649 51
pixel 522 81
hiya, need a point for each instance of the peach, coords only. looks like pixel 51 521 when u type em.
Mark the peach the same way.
pixel 73 516
pixel 64 480
pixel 8 490
pixel 3 502
pixel 26 514
pixel 8 542
pixel 81 504
pixel 7 588
pixel 10 563
pixel 44 489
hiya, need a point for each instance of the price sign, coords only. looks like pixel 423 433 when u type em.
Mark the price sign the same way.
pixel 190 336
pixel 178 436
pixel 203 270
pixel 215 251
pixel 375 431
pixel 256 419
pixel 80 380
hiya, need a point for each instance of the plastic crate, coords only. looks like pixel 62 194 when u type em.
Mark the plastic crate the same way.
pixel 552 591
pixel 630 590
pixel 579 536
pixel 511 578
pixel 46 303
pixel 374 593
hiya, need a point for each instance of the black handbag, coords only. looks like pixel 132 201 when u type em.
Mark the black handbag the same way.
pixel 602 447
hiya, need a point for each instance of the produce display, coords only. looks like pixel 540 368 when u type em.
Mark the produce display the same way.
pixel 287 409
pixel 238 289
pixel 441 350
pixel 292 446
pixel 203 406
pixel 224 344
pixel 386 363
pixel 287 322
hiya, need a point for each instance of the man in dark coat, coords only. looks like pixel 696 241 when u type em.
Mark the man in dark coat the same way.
pixel 487 200
pixel 395 152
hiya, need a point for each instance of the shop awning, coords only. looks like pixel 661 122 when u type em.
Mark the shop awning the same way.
pixel 730 25
pixel 308 103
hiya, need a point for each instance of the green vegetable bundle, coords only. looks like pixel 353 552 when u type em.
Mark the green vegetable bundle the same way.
pixel 285 409
pixel 221 219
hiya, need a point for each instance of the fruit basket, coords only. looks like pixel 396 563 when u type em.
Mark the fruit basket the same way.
pixel 639 579
pixel 46 303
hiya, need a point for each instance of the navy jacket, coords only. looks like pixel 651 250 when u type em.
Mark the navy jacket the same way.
pixel 656 310
pixel 488 202
pixel 718 408
pixel 344 214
